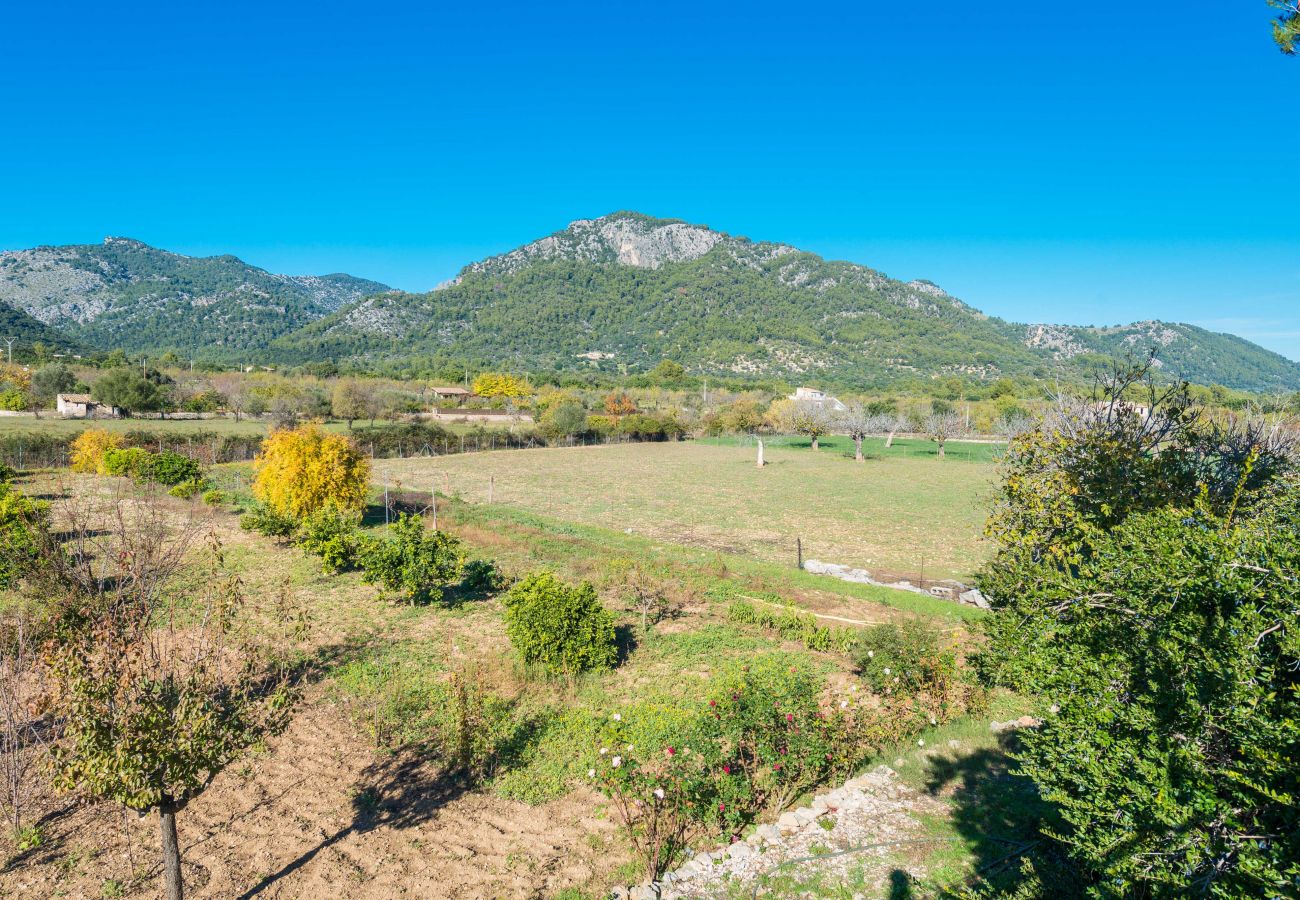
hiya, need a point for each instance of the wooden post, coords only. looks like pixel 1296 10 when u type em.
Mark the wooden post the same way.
pixel 798 549
pixel 761 463
pixel 492 480
pixel 433 505
pixel 385 503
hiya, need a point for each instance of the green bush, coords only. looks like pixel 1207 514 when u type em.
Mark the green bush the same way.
pixel 22 521
pixel 564 629
pixel 415 564
pixel 481 576
pixel 902 658
pixel 214 497
pixel 171 469
pixel 267 521
pixel 129 462
pixel 334 537
pixel 7 473
pixel 186 489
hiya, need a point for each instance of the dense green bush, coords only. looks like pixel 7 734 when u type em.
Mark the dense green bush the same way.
pixel 170 468
pixel 1145 584
pixel 7 473
pixel 214 497
pixel 415 564
pixel 129 462
pixel 186 489
pixel 22 520
pixel 563 629
pixel 333 536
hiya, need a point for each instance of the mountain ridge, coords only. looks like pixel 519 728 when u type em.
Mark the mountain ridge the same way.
pixel 820 316
pixel 616 293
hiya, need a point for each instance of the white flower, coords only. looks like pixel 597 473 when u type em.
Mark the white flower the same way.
pixel 659 792
pixel 933 720
pixel 616 761
pixel 895 679
pixel 618 717
pixel 871 654
pixel 886 670
pixel 591 773
pixel 844 704
pixel 630 748
pixel 920 743
pixel 604 750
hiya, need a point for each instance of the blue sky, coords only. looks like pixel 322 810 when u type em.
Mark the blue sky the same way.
pixel 1093 164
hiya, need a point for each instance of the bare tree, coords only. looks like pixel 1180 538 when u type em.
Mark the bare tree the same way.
pixel 892 424
pixel 804 416
pixel 857 423
pixel 941 427
pixel 24 730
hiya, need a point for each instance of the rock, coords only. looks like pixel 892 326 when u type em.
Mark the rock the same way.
pixel 767 833
pixel 740 850
pixel 973 597
pixel 666 879
pixel 703 861
pixel 1022 722
pixel 789 820
pixel 619 893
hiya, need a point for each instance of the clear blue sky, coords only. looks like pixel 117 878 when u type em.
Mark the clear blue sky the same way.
pixel 1090 164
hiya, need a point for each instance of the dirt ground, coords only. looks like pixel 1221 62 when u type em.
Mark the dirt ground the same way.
pixel 319 814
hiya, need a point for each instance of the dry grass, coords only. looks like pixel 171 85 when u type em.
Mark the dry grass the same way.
pixel 894 514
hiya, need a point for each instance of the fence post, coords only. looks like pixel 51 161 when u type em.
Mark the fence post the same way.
pixel 433 504
pixel 798 549
pixel 492 480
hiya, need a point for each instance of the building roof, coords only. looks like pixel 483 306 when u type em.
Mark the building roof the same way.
pixel 76 398
pixel 451 390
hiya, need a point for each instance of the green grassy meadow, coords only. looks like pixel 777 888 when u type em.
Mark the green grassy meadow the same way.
pixel 900 513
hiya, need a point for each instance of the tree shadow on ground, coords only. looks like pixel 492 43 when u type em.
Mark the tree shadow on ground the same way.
pixel 401 791
pixel 997 811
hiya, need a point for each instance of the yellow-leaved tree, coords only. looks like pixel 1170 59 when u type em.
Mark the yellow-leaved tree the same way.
pixel 303 470
pixel 89 448
pixel 498 384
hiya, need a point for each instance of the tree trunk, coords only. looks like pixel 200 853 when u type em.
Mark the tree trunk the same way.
pixel 941 449
pixel 889 441
pixel 171 852
pixel 857 448
pixel 815 442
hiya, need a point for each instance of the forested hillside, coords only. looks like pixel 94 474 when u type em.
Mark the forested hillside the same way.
pixel 624 291
pixel 124 293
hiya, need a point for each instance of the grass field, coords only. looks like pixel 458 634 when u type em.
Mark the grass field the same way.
pixel 900 514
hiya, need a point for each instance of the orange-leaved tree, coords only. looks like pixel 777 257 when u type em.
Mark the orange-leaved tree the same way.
pixel 303 470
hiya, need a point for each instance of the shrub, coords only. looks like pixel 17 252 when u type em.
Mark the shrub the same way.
pixel 21 522
pixel 562 628
pixel 793 625
pixel 171 469
pixel 902 658
pixel 333 536
pixel 7 473
pixel 89 448
pixel 764 735
pixel 214 497
pixel 481 576
pixel 186 489
pixel 415 564
pixel 303 470
pixel 131 462
pixel 267 521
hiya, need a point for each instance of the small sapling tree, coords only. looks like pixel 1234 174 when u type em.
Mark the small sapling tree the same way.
pixel 157 692
pixel 942 427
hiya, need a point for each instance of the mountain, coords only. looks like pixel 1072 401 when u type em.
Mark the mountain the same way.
pixel 626 290
pixel 124 293
pixel 14 323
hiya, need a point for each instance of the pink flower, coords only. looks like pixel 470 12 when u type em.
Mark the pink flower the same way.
pixel 669 750
pixel 777 767
pixel 722 807
pixel 713 703
pixel 789 717
pixel 726 769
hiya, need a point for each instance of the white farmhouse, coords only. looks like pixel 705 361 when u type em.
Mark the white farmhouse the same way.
pixel 83 406
pixel 820 399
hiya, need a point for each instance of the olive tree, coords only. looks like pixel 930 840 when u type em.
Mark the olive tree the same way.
pixel 803 416
pixel 857 423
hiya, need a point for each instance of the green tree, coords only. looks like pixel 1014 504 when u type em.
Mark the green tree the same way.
pixel 128 390
pixel 50 381
pixel 563 419
pixel 1286 27
pixel 352 400
pixel 157 692
pixel 667 370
